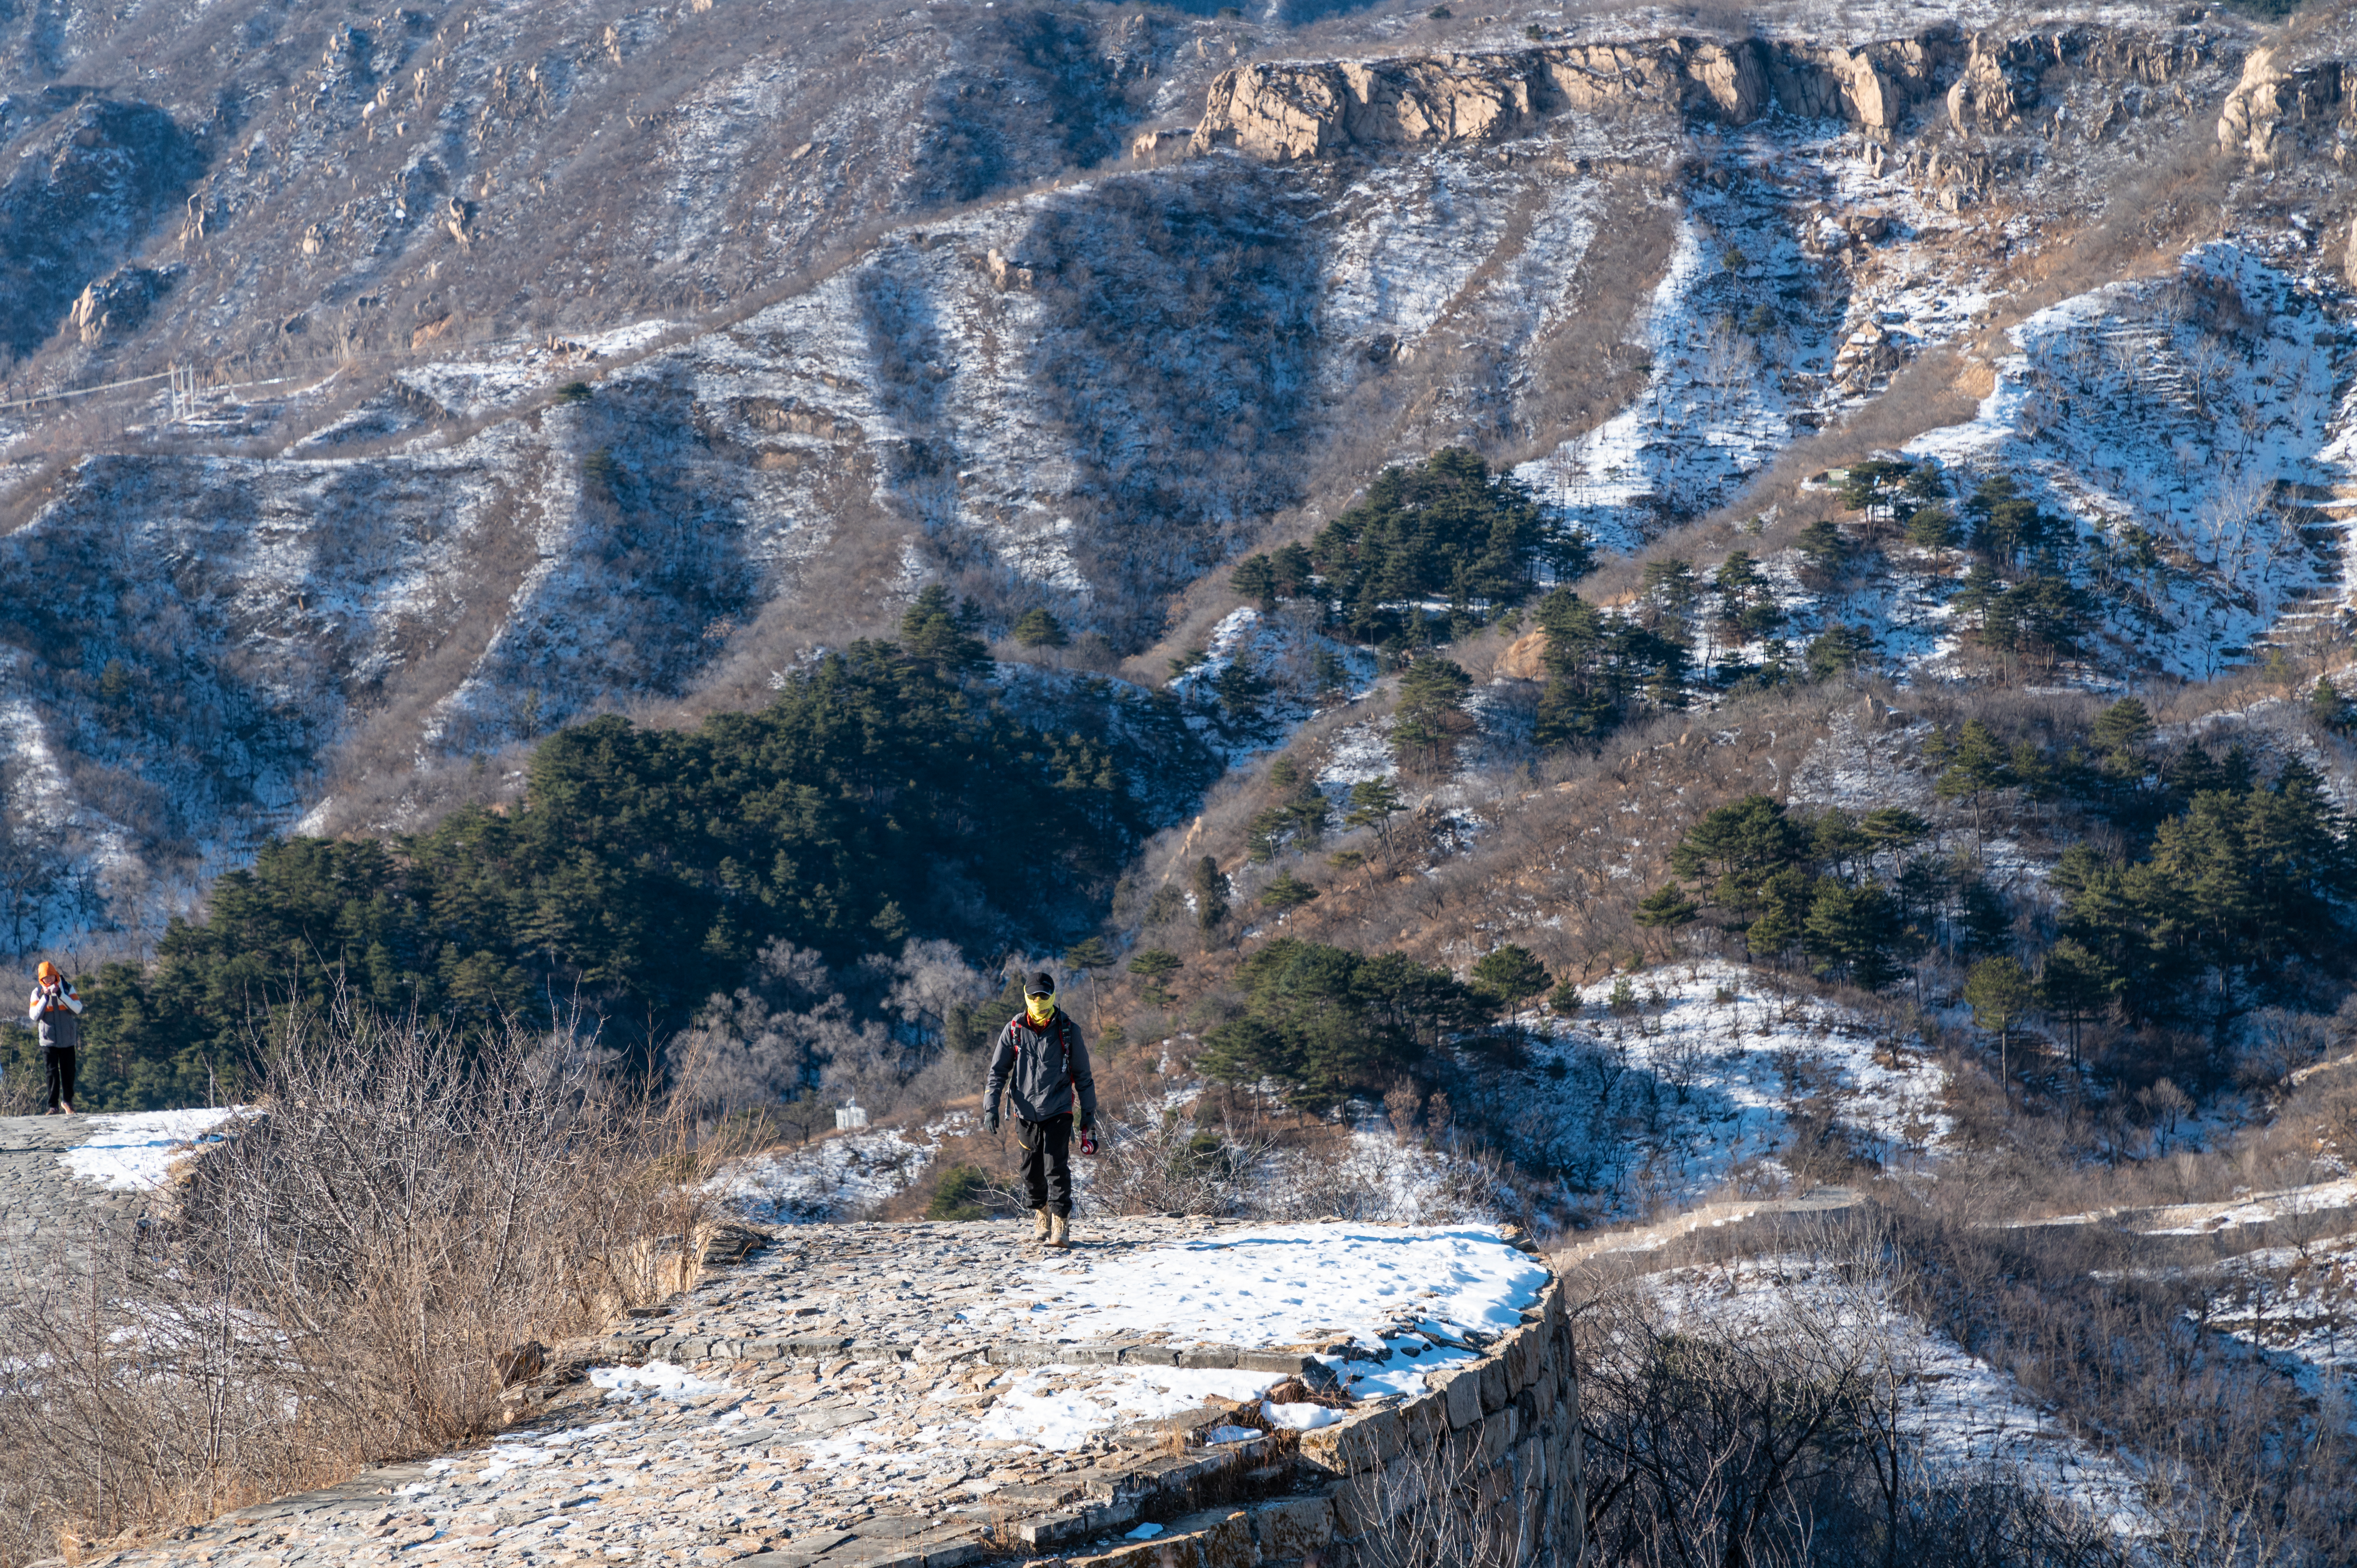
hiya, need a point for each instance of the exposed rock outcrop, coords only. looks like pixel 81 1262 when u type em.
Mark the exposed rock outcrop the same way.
pixel 1524 658
pixel 1999 80
pixel 118 304
pixel 2276 104
pixel 1283 110
pixel 1287 111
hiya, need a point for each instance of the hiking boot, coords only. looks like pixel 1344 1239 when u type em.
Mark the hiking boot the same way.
pixel 1061 1234
pixel 1038 1225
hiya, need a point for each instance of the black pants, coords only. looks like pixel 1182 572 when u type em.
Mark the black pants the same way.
pixel 60 1064
pixel 1048 1162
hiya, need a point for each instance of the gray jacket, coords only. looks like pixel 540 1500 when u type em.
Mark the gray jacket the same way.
pixel 1037 1070
pixel 59 1025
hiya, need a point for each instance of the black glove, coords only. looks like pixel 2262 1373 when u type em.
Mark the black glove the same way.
pixel 990 1122
pixel 1088 1122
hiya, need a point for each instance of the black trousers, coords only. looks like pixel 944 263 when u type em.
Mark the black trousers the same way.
pixel 60 1064
pixel 1048 1162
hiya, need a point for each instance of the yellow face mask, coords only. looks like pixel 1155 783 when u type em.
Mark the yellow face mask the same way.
pixel 1040 1008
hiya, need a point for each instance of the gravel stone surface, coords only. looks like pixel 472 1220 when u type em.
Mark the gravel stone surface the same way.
pixel 47 1219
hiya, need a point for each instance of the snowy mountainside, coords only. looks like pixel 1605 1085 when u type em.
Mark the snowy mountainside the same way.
pixel 658 466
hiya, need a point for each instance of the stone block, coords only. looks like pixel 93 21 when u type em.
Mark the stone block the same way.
pixel 1520 1360
pixel 1216 1538
pixel 1530 1464
pixel 1497 1436
pixel 1462 1389
pixel 1148 1355
pixel 1494 1384
pixel 1052 1528
pixel 1103 1519
pixel 1292 1528
pixel 1215 1357
pixel 1360 1444
pixel 1366 1503
pixel 1424 1420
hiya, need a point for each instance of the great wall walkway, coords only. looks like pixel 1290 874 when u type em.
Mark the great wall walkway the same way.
pixel 1171 1393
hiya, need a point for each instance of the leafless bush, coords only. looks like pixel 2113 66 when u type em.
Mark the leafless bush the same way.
pixel 1158 1160
pixel 1780 1439
pixel 354 1276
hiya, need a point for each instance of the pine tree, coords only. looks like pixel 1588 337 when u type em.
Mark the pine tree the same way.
pixel 1671 581
pixel 935 632
pixel 2326 705
pixel 1286 892
pixel 1785 899
pixel 1821 546
pixel 2121 734
pixel 1893 828
pixel 2074 986
pixel 1848 931
pixel 1255 578
pixel 2006 522
pixel 1085 958
pixel 1512 975
pixel 1155 966
pixel 1977 766
pixel 1837 651
pixel 2000 992
pixel 1040 628
pixel 1431 713
pixel 1666 908
pixel 1933 527
pixel 1875 484
pixel 1373 803
pixel 1211 895
pixel 1737 847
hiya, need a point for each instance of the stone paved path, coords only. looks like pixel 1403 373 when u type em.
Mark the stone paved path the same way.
pixel 844 1391
pixel 47 1217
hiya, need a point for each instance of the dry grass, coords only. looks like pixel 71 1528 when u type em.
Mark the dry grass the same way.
pixel 351 1279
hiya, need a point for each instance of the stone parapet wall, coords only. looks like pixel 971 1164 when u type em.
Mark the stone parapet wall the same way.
pixel 1488 1457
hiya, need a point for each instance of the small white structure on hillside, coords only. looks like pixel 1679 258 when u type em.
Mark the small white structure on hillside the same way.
pixel 849 1117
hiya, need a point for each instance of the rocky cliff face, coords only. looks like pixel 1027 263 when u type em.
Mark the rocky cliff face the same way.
pixel 2280 108
pixel 1283 111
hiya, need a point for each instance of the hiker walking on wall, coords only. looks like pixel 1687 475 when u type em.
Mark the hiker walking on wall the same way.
pixel 56 1014
pixel 1041 1064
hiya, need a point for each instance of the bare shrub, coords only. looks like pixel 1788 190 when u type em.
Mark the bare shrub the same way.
pixel 399 1229
pixel 1157 1159
pixel 1779 1437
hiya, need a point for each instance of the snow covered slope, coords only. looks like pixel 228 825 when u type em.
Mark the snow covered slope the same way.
pixel 533 434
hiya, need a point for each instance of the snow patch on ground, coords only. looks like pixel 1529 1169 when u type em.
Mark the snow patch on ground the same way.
pixel 827 1180
pixel 1297 1285
pixel 1697 1081
pixel 136 1153
pixel 654 1380
pixel 1063 1407
pixel 2180 423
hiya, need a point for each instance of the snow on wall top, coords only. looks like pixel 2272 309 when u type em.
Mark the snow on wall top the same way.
pixel 1297 1285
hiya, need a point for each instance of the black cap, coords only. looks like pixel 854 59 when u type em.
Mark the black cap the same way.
pixel 1041 984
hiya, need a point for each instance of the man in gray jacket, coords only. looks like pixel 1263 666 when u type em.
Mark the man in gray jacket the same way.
pixel 56 1015
pixel 1040 1064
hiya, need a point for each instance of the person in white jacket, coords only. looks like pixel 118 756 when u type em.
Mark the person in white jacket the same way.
pixel 56 1015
